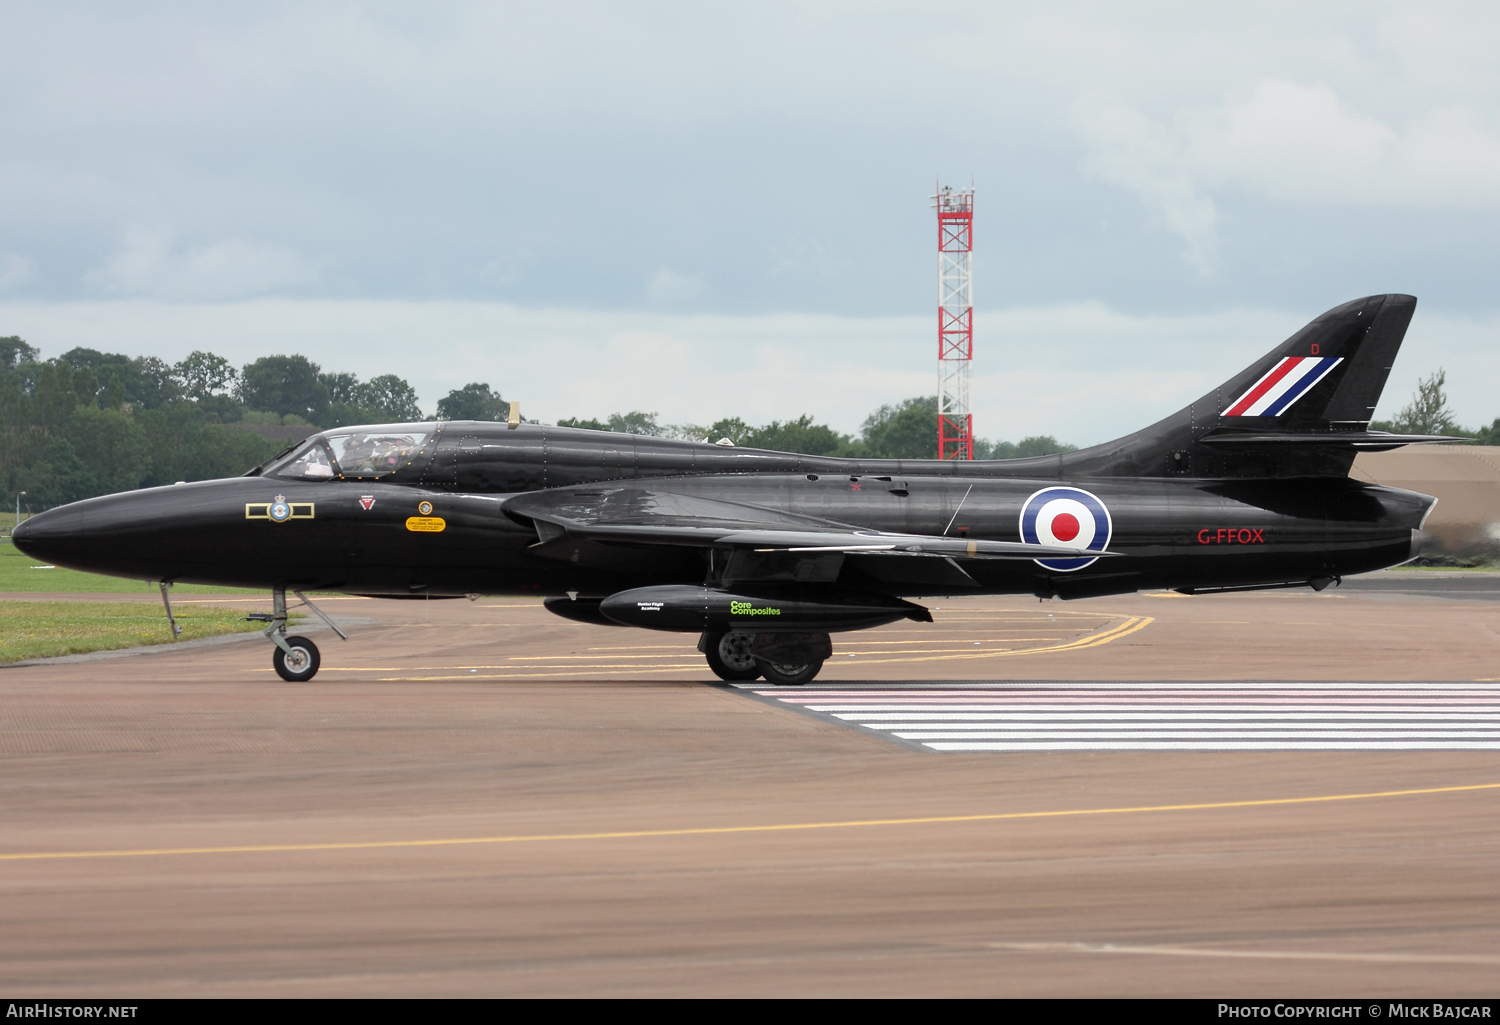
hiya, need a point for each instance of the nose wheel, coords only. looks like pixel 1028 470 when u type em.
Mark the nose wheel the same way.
pixel 295 659
pixel 298 662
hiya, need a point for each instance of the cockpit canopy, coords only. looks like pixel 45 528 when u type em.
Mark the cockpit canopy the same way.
pixel 357 453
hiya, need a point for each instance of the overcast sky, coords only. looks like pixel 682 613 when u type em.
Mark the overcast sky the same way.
pixel 706 210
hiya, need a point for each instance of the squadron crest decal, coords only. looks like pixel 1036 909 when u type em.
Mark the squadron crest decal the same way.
pixel 1070 517
pixel 279 510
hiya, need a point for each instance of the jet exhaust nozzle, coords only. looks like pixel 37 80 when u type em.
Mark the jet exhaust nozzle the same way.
pixel 767 610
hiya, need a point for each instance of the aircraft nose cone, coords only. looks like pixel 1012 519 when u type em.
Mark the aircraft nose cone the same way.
pixel 55 536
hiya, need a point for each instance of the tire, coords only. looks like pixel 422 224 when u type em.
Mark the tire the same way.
pixel 728 654
pixel 789 676
pixel 302 665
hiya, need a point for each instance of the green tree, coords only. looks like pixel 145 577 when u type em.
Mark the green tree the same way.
pixel 113 396
pixel 343 400
pixel 800 435
pixel 476 401
pixel 111 445
pixel 221 409
pixel 285 385
pixel 55 393
pixel 636 423
pixel 383 399
pixel 1427 412
pixel 21 441
pixel 91 365
pixel 1489 435
pixel 906 430
pixel 145 382
pixel 343 389
pixel 390 398
pixel 1042 445
pixel 14 352
pixel 733 428
pixel 55 475
pixel 152 383
pixel 184 444
pixel 203 374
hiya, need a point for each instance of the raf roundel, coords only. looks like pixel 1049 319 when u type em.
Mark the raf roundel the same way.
pixel 1070 517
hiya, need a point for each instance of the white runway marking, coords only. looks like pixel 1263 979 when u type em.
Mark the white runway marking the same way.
pixel 1160 717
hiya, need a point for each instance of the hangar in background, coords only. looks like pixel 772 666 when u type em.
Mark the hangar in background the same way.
pixel 1465 479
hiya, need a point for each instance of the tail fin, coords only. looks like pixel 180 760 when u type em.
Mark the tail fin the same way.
pixel 1327 376
pixel 1302 410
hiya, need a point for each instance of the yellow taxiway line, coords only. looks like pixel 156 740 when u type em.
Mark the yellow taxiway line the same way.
pixel 786 827
pixel 1130 625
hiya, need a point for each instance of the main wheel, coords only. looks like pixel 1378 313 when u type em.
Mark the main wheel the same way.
pixel 728 654
pixel 789 676
pixel 298 666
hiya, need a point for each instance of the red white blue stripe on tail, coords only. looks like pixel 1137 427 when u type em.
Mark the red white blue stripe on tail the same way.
pixel 1282 385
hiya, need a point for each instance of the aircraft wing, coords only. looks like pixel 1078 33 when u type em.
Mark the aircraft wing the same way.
pixel 651 516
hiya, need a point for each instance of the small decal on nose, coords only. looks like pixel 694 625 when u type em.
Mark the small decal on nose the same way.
pixel 426 523
pixel 366 501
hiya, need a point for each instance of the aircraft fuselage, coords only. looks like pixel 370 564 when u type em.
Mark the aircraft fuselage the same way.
pixel 371 537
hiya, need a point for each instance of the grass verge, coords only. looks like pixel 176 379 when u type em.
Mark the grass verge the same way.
pixel 42 629
pixel 19 572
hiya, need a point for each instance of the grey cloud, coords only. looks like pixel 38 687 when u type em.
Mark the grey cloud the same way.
pixel 779 154
pixel 147 265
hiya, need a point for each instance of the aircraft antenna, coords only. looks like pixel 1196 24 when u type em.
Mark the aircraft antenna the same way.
pixel 955 213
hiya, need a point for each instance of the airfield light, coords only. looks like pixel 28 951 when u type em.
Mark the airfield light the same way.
pixel 955 212
pixel 16 524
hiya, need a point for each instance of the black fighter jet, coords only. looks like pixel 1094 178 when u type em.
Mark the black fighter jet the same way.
pixel 766 553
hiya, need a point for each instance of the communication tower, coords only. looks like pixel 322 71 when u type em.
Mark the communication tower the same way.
pixel 955 212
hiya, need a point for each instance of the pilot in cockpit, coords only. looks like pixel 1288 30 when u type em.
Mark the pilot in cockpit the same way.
pixel 312 463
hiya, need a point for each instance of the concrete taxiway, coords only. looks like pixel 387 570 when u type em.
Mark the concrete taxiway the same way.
pixel 482 799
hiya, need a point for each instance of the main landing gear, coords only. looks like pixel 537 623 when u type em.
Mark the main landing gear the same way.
pixel 739 656
pixel 295 659
pixel 790 675
pixel 728 654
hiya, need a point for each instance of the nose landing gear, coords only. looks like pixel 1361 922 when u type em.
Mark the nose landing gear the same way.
pixel 295 659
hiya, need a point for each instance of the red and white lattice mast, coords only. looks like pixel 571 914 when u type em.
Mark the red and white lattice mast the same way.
pixel 955 211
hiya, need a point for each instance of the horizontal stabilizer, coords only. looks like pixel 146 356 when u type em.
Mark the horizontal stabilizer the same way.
pixel 1365 441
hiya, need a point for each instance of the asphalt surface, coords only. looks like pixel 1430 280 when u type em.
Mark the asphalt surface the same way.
pixel 1458 584
pixel 483 799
